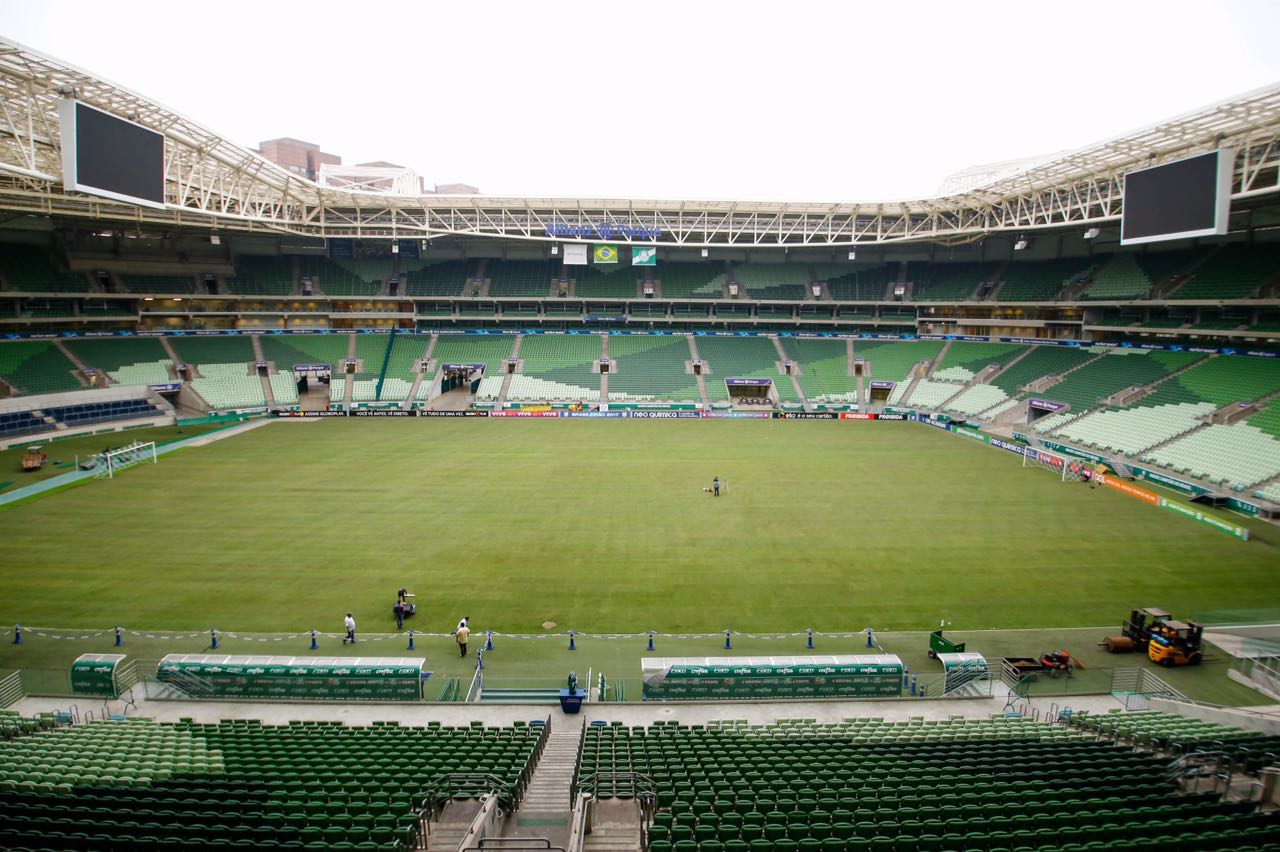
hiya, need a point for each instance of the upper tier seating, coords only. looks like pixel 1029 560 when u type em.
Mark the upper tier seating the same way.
pixel 181 285
pixel 519 278
pixel 139 784
pixel 30 269
pixel 147 373
pixel 1233 272
pixel 851 283
pixel 824 368
pixel 1039 281
pixel 692 280
pixel 214 349
pixel 287 350
pixel 1040 362
pixel 37 366
pixel 335 280
pixel 370 270
pixel 610 281
pixel 891 361
pixel 262 276
pixel 742 358
pixel 866 784
pixel 651 368
pixel 436 279
pixel 112 353
pixel 1130 275
pixel 773 280
pixel 948 282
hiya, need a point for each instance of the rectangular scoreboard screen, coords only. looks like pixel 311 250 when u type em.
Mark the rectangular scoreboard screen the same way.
pixel 1178 200
pixel 109 156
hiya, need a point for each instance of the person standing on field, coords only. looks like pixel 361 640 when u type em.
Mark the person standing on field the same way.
pixel 350 623
pixel 462 635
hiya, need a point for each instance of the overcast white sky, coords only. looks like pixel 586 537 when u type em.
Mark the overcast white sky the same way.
pixel 830 101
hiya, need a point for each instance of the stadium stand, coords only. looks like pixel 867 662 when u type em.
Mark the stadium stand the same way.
pixel 37 366
pixel 334 280
pixel 112 353
pixel 617 281
pixel 742 358
pixel 1039 281
pixel 262 276
pixel 406 349
pixel 868 784
pixel 370 350
pixel 23 423
pixel 1173 734
pixel 948 282
pixel 370 270
pixel 1129 431
pixel 773 280
pixel 1040 362
pixel 1219 381
pixel 216 349
pixel 931 395
pixel 228 386
pixel 287 350
pixel 1237 455
pixel 978 399
pixel 284 387
pixel 519 278
pixel 146 373
pixel 964 359
pixel 556 366
pixel 90 413
pixel 1085 388
pixel 1130 276
pixel 692 280
pixel 435 279
pixel 1233 272
pixel 490 350
pixel 854 284
pixel 824 369
pixel 30 269
pixel 651 368
pixel 891 361
pixel 140 784
pixel 182 285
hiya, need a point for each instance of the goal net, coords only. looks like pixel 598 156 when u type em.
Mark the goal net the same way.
pixel 112 462
pixel 1066 469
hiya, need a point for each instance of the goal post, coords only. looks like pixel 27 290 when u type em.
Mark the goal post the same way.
pixel 113 461
pixel 1066 469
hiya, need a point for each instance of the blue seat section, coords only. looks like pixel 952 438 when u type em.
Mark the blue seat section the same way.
pixel 86 414
pixel 22 423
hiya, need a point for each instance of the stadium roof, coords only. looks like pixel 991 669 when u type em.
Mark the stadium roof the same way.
pixel 214 183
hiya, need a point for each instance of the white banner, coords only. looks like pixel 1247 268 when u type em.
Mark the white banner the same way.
pixel 575 255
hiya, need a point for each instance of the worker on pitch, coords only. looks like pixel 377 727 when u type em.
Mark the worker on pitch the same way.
pixel 714 490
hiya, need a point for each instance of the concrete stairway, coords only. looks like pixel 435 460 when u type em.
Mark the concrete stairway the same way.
pixel 702 385
pixel 544 811
pixel 447 832
pixel 615 827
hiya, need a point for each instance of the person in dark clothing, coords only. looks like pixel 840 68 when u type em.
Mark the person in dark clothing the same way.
pixel 398 609
pixel 715 486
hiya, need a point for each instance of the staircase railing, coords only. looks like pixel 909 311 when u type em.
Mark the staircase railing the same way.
pixel 633 785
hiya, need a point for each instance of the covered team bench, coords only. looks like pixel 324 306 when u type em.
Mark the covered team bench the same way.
pixel 295 678
pixel 747 678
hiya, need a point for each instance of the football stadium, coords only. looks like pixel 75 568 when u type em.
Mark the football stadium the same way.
pixel 340 510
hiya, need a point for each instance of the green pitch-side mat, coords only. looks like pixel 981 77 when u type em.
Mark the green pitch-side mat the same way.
pixel 747 678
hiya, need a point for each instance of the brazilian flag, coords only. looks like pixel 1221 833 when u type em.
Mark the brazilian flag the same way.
pixel 604 254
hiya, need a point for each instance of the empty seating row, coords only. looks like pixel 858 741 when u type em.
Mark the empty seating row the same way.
pixel 89 413
pixel 651 368
pixel 37 366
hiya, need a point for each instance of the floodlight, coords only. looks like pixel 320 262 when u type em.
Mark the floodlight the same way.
pixel 395 247
pixel 853 255
pixel 706 253
pixel 214 239
pixel 1021 244
pixel 1091 233
pixel 555 250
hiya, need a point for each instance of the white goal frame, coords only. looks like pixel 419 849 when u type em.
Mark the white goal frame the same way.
pixel 136 453
pixel 1059 465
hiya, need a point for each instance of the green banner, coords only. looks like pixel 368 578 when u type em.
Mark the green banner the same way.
pixel 96 674
pixel 1194 514
pixel 1167 481
pixel 644 256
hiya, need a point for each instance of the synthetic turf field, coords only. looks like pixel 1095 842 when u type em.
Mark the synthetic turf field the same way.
pixel 603 526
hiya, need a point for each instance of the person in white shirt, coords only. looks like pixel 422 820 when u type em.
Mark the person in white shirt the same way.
pixel 350 623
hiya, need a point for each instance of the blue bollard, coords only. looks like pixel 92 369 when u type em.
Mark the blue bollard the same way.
pixel 650 648
pixel 871 638
pixel 913 684
pixel 728 646
pixel 480 659
pixel 314 644
pixel 213 638
pixel 119 637
pixel 906 679
pixel 488 640
pixel 17 634
pixel 572 646
pixel 922 690
pixel 810 644
pixel 410 638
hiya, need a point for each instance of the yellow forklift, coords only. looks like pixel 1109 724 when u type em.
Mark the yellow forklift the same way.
pixel 1176 643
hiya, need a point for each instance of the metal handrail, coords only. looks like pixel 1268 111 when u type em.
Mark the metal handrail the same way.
pixel 643 789
pixel 579 821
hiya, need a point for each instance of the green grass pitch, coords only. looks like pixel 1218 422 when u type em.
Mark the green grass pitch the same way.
pixel 603 526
